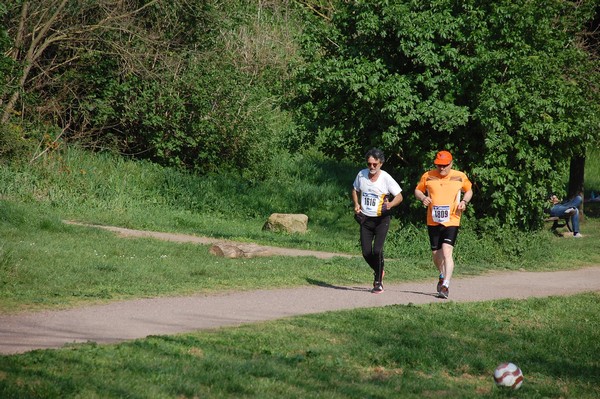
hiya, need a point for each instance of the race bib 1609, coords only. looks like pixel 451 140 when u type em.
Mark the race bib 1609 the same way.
pixel 440 213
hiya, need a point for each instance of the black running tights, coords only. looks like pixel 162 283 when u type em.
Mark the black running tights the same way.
pixel 372 237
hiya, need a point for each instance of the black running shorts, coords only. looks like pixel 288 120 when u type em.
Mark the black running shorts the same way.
pixel 441 234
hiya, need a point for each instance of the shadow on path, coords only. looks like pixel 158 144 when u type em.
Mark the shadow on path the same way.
pixel 335 287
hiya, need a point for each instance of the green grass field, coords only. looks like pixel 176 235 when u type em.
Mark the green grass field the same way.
pixel 439 350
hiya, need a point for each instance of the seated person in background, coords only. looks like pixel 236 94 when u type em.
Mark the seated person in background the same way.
pixel 567 208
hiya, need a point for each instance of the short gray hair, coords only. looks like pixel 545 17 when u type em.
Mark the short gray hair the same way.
pixel 375 153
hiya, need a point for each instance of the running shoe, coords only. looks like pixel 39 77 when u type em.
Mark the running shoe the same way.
pixel 375 282
pixel 439 284
pixel 377 288
pixel 443 292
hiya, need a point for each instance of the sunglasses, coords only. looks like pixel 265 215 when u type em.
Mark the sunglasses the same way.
pixel 443 166
pixel 373 164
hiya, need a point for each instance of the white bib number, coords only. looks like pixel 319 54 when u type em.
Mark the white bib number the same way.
pixel 440 213
pixel 370 204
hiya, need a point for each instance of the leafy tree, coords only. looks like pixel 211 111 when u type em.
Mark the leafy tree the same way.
pixel 182 82
pixel 49 34
pixel 504 85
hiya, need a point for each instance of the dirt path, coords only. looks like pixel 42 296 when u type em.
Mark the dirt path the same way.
pixel 133 319
pixel 261 250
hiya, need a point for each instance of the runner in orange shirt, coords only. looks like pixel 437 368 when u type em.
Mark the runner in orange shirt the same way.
pixel 440 190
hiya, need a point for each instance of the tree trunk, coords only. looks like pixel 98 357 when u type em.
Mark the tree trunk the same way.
pixel 576 176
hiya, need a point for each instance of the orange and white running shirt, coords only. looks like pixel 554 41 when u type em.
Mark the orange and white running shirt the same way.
pixel 445 193
pixel 373 193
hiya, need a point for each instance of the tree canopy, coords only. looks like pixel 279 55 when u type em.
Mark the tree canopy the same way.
pixel 510 87
pixel 507 86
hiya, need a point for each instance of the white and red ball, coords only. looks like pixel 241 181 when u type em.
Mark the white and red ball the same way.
pixel 508 375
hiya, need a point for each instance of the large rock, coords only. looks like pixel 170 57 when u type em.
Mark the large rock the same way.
pixel 287 222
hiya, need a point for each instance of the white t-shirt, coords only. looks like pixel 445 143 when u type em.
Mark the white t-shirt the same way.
pixel 373 193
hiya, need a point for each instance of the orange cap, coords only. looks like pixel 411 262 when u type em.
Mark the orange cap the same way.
pixel 443 158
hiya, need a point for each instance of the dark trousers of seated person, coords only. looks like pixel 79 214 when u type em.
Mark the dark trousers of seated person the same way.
pixel 373 232
pixel 559 210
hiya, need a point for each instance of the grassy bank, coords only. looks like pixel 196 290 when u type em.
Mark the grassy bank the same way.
pixel 107 189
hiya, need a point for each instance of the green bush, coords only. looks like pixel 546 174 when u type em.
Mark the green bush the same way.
pixel 15 146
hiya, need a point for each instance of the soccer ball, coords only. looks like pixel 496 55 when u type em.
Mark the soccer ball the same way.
pixel 508 375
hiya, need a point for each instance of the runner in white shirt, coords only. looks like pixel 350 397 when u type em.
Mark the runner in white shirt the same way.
pixel 371 193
